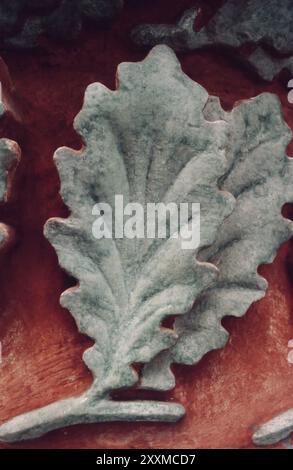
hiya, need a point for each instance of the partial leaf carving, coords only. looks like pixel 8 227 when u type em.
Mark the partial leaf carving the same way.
pixel 275 430
pixel 235 23
pixel 9 155
pixel 150 142
pixel 260 177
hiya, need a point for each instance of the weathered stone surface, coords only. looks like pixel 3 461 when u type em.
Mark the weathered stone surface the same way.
pixel 58 19
pixel 274 430
pixel 151 145
pixel 260 177
pixel 235 24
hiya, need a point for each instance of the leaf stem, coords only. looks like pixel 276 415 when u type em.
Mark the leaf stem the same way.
pixel 83 410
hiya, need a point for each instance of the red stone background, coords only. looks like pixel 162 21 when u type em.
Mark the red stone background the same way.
pixel 231 390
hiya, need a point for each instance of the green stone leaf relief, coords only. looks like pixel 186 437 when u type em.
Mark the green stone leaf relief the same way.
pixel 160 138
pixel 151 145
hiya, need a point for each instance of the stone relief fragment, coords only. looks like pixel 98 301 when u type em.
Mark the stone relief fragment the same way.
pixel 275 430
pixel 9 156
pixel 236 23
pixel 23 21
pixel 150 144
pixel 268 66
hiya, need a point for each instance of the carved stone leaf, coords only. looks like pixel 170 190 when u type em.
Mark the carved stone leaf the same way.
pixel 150 142
pixel 260 177
pixel 236 23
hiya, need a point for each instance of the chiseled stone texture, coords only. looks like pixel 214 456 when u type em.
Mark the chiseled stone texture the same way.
pixel 236 23
pixel 23 21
